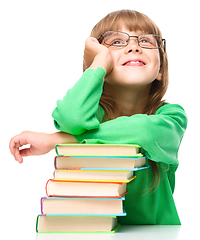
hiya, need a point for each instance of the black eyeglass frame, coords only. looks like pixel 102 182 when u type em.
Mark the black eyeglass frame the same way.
pixel 124 45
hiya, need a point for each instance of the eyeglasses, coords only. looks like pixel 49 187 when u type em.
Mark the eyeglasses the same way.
pixel 122 39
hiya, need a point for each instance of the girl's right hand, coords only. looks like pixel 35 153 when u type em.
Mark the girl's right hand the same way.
pixel 97 55
pixel 40 143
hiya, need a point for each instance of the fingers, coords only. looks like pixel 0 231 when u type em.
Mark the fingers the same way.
pixel 94 40
pixel 91 50
pixel 17 142
pixel 91 39
pixel 26 152
pixel 18 156
pixel 14 145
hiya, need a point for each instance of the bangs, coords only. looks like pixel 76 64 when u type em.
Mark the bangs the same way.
pixel 130 19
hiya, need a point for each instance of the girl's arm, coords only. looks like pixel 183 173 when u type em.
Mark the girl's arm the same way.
pixel 79 110
pixel 159 135
pixel 40 143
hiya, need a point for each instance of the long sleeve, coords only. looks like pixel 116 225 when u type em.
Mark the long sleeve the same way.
pixel 159 135
pixel 79 110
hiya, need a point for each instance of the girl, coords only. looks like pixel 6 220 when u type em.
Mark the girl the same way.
pixel 118 99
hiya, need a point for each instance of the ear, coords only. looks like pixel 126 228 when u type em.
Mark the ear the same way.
pixel 159 76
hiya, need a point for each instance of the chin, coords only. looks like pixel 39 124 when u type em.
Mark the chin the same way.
pixel 130 76
pixel 130 80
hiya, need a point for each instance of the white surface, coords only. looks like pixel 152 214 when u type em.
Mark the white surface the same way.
pixel 130 233
pixel 41 49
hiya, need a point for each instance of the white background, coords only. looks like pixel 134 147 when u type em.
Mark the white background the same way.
pixel 41 52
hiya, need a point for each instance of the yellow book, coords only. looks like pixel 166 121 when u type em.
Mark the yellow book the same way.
pixel 94 175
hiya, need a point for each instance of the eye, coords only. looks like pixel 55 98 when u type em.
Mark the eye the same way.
pixel 148 41
pixel 118 42
pixel 145 40
pixel 117 39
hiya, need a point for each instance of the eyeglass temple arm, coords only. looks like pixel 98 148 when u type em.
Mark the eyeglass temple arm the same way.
pixel 100 37
pixel 164 44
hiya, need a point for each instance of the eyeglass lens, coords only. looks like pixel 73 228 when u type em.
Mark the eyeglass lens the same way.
pixel 122 39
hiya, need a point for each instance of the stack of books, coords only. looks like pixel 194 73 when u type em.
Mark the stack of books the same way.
pixel 89 187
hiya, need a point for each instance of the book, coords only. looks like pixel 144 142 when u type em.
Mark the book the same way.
pixel 87 192
pixel 100 163
pixel 94 175
pixel 82 206
pixel 98 150
pixel 76 224
pixel 61 188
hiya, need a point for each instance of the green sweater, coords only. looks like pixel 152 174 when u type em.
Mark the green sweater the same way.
pixel 159 135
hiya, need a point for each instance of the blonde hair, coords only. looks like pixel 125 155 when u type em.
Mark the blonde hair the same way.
pixel 136 21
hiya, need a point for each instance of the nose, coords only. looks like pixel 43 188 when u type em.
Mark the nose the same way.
pixel 133 39
pixel 133 45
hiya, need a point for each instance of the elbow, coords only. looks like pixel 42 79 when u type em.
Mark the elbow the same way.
pixel 69 127
pixel 74 120
pixel 75 125
pixel 66 121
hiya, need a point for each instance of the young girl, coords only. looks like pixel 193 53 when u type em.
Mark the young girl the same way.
pixel 118 99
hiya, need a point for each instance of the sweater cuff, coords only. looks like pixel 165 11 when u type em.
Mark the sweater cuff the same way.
pixel 100 72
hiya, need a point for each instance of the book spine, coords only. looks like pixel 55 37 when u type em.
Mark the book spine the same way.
pixel 37 220
pixel 46 187
pixel 56 149
pixel 55 162
pixel 41 203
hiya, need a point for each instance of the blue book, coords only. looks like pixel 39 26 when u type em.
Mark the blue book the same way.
pixel 101 163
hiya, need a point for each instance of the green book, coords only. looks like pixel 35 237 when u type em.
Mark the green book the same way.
pixel 76 224
pixel 117 150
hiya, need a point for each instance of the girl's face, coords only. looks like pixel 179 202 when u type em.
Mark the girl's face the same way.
pixel 133 65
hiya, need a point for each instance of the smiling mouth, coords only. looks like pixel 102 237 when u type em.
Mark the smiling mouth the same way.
pixel 133 63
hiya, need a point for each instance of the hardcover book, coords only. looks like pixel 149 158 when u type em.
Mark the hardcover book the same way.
pixel 82 206
pixel 97 149
pixel 100 163
pixel 60 188
pixel 94 176
pixel 76 224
